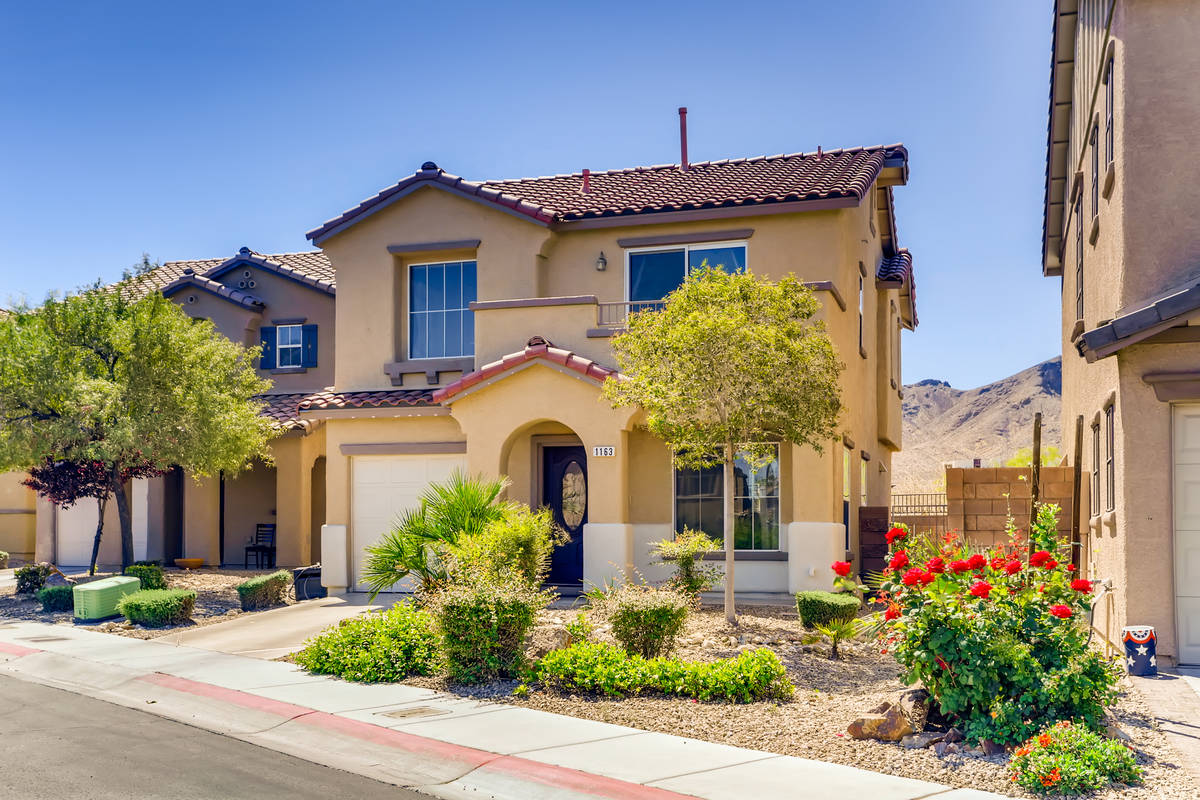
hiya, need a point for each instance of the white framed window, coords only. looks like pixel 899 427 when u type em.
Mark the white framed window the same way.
pixel 699 499
pixel 289 345
pixel 862 482
pixel 652 273
pixel 440 321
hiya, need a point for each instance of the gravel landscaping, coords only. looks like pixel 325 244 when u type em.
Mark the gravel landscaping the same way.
pixel 216 601
pixel 829 695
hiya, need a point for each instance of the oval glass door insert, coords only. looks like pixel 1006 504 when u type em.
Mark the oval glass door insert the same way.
pixel 574 495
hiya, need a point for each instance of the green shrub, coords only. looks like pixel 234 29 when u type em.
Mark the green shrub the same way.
pixel 3 559
pixel 56 598
pixel 483 627
pixel 645 620
pixel 598 668
pixel 385 646
pixel 264 591
pixel 685 553
pixel 822 608
pixel 521 542
pixel 1068 759
pixel 580 629
pixel 838 631
pixel 155 608
pixel 1000 639
pixel 151 575
pixel 32 577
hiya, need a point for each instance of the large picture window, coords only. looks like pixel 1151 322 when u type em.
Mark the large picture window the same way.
pixel 699 497
pixel 654 274
pixel 440 324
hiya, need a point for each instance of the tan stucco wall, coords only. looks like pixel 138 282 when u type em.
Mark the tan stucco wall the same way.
pixel 17 519
pixel 250 499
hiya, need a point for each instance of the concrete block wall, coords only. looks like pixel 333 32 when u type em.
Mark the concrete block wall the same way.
pixel 979 500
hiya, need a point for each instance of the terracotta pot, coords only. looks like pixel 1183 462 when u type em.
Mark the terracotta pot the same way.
pixel 189 563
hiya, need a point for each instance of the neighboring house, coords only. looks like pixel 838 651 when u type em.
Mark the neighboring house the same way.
pixel 1124 108
pixel 473 332
pixel 285 303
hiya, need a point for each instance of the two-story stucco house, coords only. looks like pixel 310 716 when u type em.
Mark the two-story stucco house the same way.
pixel 477 318
pixel 285 303
pixel 1124 109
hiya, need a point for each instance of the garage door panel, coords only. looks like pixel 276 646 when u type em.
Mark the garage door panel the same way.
pixel 383 488
pixel 1186 501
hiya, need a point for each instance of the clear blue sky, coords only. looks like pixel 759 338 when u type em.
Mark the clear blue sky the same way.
pixel 186 130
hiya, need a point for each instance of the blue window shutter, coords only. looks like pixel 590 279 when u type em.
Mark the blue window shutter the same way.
pixel 267 361
pixel 308 356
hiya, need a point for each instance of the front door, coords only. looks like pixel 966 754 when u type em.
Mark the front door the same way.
pixel 564 491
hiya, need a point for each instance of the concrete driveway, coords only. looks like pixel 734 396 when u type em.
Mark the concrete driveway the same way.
pixel 275 633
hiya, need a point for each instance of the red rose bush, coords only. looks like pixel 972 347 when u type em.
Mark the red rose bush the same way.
pixel 998 639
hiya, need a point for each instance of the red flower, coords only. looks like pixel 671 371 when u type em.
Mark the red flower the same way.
pixel 899 560
pixel 1039 558
pixel 841 568
pixel 1082 585
pixel 997 562
pixel 936 565
pixel 1044 740
pixel 1042 588
pixel 912 577
pixel 1070 567
pixel 1061 611
pixel 927 578
pixel 977 561
pixel 1013 567
pixel 1051 564
pixel 893 612
pixel 896 533
pixel 959 566
pixel 942 663
pixel 981 589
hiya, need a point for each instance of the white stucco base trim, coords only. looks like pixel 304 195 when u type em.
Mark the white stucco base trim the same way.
pixel 140 515
pixel 812 548
pixel 607 552
pixel 335 576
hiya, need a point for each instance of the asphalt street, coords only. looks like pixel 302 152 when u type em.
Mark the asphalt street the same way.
pixel 61 745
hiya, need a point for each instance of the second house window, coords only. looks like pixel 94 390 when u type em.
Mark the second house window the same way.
pixel 699 495
pixel 440 322
pixel 654 274
pixel 289 341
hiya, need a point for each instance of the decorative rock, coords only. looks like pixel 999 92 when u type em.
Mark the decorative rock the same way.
pixel 919 741
pixel 733 641
pixel 56 578
pixel 886 725
pixel 1114 731
pixel 954 735
pixel 914 703
pixel 991 748
pixel 943 749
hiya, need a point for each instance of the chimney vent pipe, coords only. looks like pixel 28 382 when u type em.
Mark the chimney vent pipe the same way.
pixel 587 180
pixel 683 159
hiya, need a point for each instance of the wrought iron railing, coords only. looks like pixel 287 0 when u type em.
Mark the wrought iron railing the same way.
pixel 616 315
pixel 921 512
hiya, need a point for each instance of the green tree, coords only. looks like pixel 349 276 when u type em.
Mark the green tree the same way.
pixel 1051 457
pixel 121 376
pixel 730 363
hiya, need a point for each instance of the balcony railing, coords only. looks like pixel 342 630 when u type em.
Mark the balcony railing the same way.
pixel 616 315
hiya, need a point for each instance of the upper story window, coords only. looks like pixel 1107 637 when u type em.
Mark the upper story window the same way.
pixel 655 273
pixel 1095 142
pixel 288 346
pixel 699 498
pixel 1095 469
pixel 440 322
pixel 1110 474
pixel 1110 80
pixel 1079 256
pixel 862 480
pixel 861 309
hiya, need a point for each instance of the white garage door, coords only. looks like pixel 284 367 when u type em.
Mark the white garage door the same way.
pixel 76 531
pixel 385 486
pixel 1187 531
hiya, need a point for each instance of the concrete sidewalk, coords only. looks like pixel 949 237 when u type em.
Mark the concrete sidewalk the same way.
pixel 277 632
pixel 439 744
pixel 1174 697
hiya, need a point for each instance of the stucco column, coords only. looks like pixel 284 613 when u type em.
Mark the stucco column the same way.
pixel 293 500
pixel 201 518
pixel 45 538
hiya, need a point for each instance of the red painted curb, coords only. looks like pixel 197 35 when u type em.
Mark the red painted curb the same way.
pixel 18 650
pixel 546 774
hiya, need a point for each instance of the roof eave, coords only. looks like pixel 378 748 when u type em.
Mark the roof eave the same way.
pixel 1056 169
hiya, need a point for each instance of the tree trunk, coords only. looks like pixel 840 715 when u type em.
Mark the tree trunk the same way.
pixel 124 515
pixel 102 503
pixel 730 610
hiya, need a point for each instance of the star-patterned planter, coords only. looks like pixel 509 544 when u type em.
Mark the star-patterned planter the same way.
pixel 1140 644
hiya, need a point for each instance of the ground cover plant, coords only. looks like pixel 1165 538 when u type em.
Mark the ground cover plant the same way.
pixel 384 646
pixel 32 577
pixel 823 608
pixel 996 637
pixel 151 575
pixel 1070 759
pixel 264 591
pixel 155 608
pixel 599 668
pixel 56 598
pixel 685 555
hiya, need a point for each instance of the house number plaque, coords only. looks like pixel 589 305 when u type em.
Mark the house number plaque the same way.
pixel 603 451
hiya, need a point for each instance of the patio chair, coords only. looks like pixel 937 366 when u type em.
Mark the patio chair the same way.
pixel 264 545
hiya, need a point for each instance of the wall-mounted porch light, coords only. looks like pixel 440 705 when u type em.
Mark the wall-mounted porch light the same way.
pixel 601 262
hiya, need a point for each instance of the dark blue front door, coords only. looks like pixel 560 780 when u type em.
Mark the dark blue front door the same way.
pixel 564 490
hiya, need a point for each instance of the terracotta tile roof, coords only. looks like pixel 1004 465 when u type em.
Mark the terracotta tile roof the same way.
pixel 387 398
pixel 899 267
pixel 207 284
pixel 537 348
pixel 283 411
pixel 312 267
pixel 797 177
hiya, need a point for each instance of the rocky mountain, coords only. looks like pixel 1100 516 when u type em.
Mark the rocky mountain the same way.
pixel 990 422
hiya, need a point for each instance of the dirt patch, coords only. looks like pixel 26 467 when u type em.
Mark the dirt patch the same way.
pixel 216 601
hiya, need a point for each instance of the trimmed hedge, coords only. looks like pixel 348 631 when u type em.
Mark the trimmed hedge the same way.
pixel 387 646
pixel 151 575
pixel 264 591
pixel 822 608
pixel 599 668
pixel 645 621
pixel 32 577
pixel 483 627
pixel 156 608
pixel 56 598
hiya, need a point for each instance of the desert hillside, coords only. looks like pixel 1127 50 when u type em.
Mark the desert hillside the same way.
pixel 942 423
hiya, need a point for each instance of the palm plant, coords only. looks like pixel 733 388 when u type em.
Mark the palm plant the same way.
pixel 422 538
pixel 837 632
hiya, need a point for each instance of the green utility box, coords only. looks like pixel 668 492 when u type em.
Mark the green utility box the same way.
pixel 98 599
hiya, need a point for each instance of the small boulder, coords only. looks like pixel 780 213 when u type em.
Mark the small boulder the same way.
pixel 915 705
pixel 1114 731
pixel 919 741
pixel 888 725
pixel 991 748
pixel 954 735
pixel 944 748
pixel 56 578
